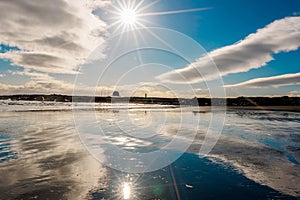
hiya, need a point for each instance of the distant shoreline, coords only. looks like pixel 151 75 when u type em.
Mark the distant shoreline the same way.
pixel 252 103
pixel 227 108
pixel 266 108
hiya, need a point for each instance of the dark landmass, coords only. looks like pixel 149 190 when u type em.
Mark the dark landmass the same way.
pixel 235 102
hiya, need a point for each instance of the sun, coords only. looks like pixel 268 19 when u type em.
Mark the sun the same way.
pixel 128 17
pixel 132 14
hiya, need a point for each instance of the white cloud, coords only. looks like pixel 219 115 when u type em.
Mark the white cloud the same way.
pixel 43 83
pixel 267 82
pixel 253 52
pixel 154 89
pixel 39 83
pixel 54 36
pixel 294 93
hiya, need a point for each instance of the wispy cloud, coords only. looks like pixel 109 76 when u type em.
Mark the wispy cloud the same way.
pixel 294 93
pixel 38 83
pixel 253 52
pixel 268 82
pixel 54 36
pixel 174 12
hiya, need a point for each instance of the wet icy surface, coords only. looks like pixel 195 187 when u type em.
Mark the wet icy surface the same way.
pixel 256 157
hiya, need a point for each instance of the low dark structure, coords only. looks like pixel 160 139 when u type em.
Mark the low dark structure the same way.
pixel 116 94
pixel 240 101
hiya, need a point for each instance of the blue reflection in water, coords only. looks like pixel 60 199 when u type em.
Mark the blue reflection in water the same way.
pixel 279 130
pixel 50 158
pixel 190 177
pixel 6 152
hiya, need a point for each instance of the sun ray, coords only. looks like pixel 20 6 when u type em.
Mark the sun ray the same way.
pixel 132 4
pixel 122 3
pixel 146 21
pixel 129 15
pixel 174 12
pixel 164 42
pixel 114 24
pixel 148 6
pixel 139 5
pixel 138 51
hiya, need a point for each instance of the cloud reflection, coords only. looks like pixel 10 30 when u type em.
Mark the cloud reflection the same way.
pixel 51 162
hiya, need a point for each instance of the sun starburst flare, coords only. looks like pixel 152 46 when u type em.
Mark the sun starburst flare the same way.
pixel 130 15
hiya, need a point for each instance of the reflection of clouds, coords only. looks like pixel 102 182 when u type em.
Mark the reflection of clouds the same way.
pixel 139 129
pixel 262 164
pixel 130 146
pixel 262 145
pixel 52 163
pixel 6 152
pixel 127 141
pixel 142 119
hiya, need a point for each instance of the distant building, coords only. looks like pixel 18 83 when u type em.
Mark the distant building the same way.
pixel 116 94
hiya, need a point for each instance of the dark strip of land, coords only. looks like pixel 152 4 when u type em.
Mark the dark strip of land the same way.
pixel 267 108
pixel 278 103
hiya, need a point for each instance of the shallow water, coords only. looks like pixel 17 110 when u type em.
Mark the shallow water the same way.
pixel 42 156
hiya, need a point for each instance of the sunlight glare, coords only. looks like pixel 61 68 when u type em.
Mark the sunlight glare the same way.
pixel 126 191
pixel 128 16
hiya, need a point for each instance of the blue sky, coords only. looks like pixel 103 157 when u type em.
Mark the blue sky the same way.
pixel 42 54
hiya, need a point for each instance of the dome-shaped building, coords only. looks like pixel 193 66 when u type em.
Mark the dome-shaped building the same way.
pixel 116 94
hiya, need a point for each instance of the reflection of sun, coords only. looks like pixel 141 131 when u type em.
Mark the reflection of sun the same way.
pixel 126 191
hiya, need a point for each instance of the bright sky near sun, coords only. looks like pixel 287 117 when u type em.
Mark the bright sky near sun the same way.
pixel 254 44
pixel 128 16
